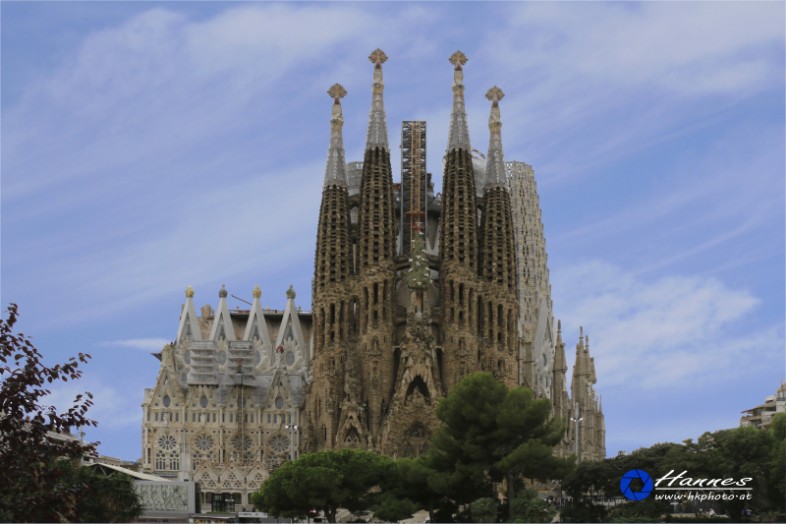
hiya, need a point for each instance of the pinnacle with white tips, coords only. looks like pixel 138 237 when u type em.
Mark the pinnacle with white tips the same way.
pixel 377 135
pixel 458 134
pixel 495 164
pixel 335 171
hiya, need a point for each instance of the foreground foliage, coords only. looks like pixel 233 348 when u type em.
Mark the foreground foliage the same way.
pixel 42 480
pixel 490 437
pixel 33 486
pixel 732 453
pixel 325 481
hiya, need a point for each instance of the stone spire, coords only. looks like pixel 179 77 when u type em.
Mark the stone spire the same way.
pixel 559 354
pixel 189 322
pixel 335 171
pixel 458 134
pixel 377 135
pixel 495 166
pixel 222 323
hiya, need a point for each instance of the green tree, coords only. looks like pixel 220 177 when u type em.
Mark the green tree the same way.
pixel 411 479
pixel 391 508
pixel 777 465
pixel 528 507
pixel 102 498
pixel 32 486
pixel 491 434
pixel 325 480
pixel 484 510
pixel 732 453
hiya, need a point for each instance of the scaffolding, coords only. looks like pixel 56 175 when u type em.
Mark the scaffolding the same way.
pixel 414 181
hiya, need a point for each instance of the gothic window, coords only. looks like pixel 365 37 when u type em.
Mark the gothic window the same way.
pixel 167 401
pixel 203 401
pixel 279 443
pixel 352 439
pixel 167 442
pixel 160 460
pixel 204 442
pixel 279 403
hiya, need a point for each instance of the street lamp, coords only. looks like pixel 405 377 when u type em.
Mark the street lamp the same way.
pixel 577 419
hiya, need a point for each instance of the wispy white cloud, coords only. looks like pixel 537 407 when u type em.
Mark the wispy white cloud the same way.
pixel 600 80
pixel 111 409
pixel 658 332
pixel 686 48
pixel 143 344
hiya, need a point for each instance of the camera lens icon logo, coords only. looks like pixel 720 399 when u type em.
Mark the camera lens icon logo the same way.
pixel 632 475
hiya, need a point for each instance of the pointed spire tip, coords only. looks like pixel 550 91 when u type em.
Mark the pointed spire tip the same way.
pixel 377 135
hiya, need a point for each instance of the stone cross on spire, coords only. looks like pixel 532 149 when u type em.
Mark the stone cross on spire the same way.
pixel 378 57
pixel 458 134
pixel 335 171
pixel 377 128
pixel 495 165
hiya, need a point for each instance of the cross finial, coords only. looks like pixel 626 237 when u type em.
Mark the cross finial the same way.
pixel 337 92
pixel 222 292
pixel 458 59
pixel 378 57
pixel 189 292
pixel 257 292
pixel 495 94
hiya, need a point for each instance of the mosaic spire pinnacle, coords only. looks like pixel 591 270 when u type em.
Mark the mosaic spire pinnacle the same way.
pixel 495 164
pixel 458 135
pixel 335 171
pixel 377 127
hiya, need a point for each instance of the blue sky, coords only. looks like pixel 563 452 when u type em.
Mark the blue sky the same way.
pixel 148 146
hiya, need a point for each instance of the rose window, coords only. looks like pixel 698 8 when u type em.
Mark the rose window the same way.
pixel 167 442
pixel 279 443
pixel 204 442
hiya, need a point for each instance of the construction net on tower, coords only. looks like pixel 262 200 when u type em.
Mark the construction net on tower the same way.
pixel 414 181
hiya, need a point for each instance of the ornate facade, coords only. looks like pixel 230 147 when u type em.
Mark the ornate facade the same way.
pixel 228 398
pixel 412 291
pixel 430 288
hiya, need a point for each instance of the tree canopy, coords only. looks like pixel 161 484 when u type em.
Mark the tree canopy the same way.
pixel 731 453
pixel 491 433
pixel 325 480
pixel 42 480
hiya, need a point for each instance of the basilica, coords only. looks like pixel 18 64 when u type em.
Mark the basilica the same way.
pixel 412 291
